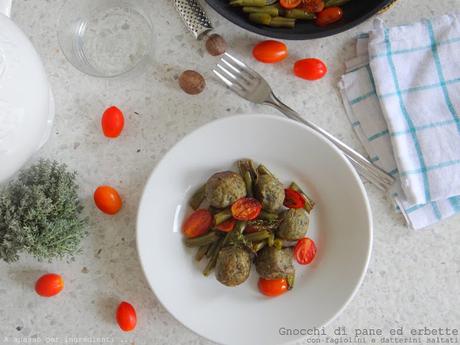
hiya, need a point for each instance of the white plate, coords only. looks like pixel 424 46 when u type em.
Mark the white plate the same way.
pixel 341 226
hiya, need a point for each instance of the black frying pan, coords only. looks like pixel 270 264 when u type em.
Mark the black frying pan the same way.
pixel 355 12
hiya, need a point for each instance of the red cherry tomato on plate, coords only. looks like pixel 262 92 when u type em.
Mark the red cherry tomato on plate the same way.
pixel 112 122
pixel 313 6
pixel 293 199
pixel 305 251
pixel 270 51
pixel 107 200
pixel 227 226
pixel 49 285
pixel 246 209
pixel 310 69
pixel 198 223
pixel 290 4
pixel 273 288
pixel 328 16
pixel 126 316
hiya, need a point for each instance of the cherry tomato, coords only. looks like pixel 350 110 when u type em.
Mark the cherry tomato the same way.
pixel 126 316
pixel 107 199
pixel 49 285
pixel 328 16
pixel 246 209
pixel 290 4
pixel 310 69
pixel 270 51
pixel 293 199
pixel 227 226
pixel 198 223
pixel 112 122
pixel 313 6
pixel 273 288
pixel 305 251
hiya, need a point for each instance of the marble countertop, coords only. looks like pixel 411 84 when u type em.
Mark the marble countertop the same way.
pixel 413 278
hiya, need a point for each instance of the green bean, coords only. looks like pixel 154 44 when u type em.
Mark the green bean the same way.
pixel 330 3
pixel 257 236
pixel 299 14
pixel 309 203
pixel 212 261
pixel 262 169
pixel 260 18
pixel 248 181
pixel 271 240
pixel 268 216
pixel 198 197
pixel 222 216
pixel 212 249
pixel 258 3
pixel 258 246
pixel 201 252
pixel 281 22
pixel 271 10
pixel 290 280
pixel 239 227
pixel 208 238
pixel 252 169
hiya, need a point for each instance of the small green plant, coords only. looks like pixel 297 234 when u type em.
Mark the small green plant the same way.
pixel 40 213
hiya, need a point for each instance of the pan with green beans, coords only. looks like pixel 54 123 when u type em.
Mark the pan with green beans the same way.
pixel 248 216
pixel 285 13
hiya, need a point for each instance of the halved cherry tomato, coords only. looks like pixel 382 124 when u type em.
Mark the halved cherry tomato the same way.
pixel 227 226
pixel 270 51
pixel 198 223
pixel 246 209
pixel 49 285
pixel 112 122
pixel 107 199
pixel 126 316
pixel 290 4
pixel 310 69
pixel 273 288
pixel 313 6
pixel 328 16
pixel 305 251
pixel 293 199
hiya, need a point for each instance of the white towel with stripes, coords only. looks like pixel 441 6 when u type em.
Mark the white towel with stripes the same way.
pixel 402 95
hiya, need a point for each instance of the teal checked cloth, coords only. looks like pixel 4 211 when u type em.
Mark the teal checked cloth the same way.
pixel 402 95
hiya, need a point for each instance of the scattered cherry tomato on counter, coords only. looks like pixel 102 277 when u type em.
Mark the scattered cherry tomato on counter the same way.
pixel 290 4
pixel 126 316
pixel 49 285
pixel 310 69
pixel 227 226
pixel 328 16
pixel 112 122
pixel 313 6
pixel 198 223
pixel 107 200
pixel 270 51
pixel 273 288
pixel 293 199
pixel 305 251
pixel 246 209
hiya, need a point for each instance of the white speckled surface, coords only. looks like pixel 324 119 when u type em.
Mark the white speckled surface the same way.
pixel 413 278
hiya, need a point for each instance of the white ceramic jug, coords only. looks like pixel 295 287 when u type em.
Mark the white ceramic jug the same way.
pixel 26 101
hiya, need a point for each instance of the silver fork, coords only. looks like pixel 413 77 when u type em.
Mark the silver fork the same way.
pixel 251 86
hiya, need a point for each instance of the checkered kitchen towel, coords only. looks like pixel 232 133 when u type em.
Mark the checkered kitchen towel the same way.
pixel 402 96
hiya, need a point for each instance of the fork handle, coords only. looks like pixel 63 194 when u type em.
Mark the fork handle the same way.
pixel 364 166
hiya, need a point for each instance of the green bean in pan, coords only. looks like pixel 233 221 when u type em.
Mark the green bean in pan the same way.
pixel 206 239
pixel 330 3
pixel 198 197
pixel 300 14
pixel 276 22
pixel 271 10
pixel 222 216
pixel 258 3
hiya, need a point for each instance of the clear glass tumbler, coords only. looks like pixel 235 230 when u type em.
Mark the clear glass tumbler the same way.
pixel 107 38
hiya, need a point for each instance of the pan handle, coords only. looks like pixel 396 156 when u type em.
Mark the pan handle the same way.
pixel 5 7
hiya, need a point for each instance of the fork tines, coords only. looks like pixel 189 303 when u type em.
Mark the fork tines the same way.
pixel 234 73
